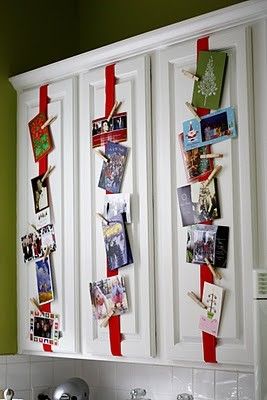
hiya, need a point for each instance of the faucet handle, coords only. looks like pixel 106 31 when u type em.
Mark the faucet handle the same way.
pixel 137 393
pixel 185 396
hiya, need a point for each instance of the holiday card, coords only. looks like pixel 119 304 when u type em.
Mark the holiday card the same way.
pixel 41 138
pixel 108 294
pixel 195 167
pixel 48 238
pixel 210 70
pixel 112 171
pixel 44 327
pixel 212 298
pixel 31 246
pixel 40 193
pixel 212 128
pixel 117 204
pixel 43 218
pixel 114 130
pixel 207 241
pixel 198 203
pixel 44 281
pixel 117 242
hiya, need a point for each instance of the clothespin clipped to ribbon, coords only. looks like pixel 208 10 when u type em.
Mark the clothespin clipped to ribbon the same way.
pixel 36 304
pixel 48 172
pixel 215 171
pixel 190 75
pixel 101 216
pixel 196 299
pixel 192 110
pixel 105 320
pixel 114 108
pixel 102 155
pixel 47 252
pixel 216 274
pixel 49 121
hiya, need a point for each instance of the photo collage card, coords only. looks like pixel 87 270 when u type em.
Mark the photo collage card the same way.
pixel 113 130
pixel 44 327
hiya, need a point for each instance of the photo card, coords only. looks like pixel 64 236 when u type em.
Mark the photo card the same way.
pixel 207 241
pixel 198 203
pixel 113 171
pixel 210 70
pixel 48 237
pixel 44 281
pixel 31 246
pixel 44 327
pixel 212 128
pixel 114 130
pixel 41 139
pixel 107 294
pixel 195 167
pixel 117 204
pixel 117 243
pixel 212 298
pixel 40 193
pixel 42 218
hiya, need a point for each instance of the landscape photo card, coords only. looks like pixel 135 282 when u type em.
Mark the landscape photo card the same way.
pixel 114 130
pixel 44 281
pixel 212 298
pixel 117 204
pixel 44 327
pixel 207 241
pixel 108 294
pixel 113 171
pixel 31 246
pixel 40 193
pixel 195 167
pixel 210 71
pixel 212 128
pixel 198 203
pixel 117 243
pixel 41 139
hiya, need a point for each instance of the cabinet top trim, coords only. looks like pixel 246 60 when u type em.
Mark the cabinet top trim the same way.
pixel 241 13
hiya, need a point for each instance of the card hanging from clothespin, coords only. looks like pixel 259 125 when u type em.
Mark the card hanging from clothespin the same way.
pixel 49 121
pixel 102 155
pixel 216 274
pixel 192 110
pixel 215 172
pixel 190 75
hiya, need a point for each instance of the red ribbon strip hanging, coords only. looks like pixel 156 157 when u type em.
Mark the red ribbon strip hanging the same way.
pixel 43 165
pixel 114 322
pixel 209 341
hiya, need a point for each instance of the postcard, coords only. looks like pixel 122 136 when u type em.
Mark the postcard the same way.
pixel 198 203
pixel 210 70
pixel 44 281
pixel 212 128
pixel 113 130
pixel 31 246
pixel 112 172
pixel 117 242
pixel 207 241
pixel 210 318
pixel 43 218
pixel 40 193
pixel 117 204
pixel 195 167
pixel 48 238
pixel 41 139
pixel 107 294
pixel 44 327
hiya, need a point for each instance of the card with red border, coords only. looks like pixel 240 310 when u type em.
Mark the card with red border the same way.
pixel 41 139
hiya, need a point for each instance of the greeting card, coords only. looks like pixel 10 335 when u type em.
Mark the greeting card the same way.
pixel 117 204
pixel 210 318
pixel 44 327
pixel 41 138
pixel 44 281
pixel 113 129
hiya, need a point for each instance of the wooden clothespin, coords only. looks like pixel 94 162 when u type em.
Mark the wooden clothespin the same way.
pixel 48 172
pixel 102 217
pixel 190 75
pixel 49 121
pixel 47 252
pixel 195 298
pixel 216 274
pixel 211 155
pixel 106 319
pixel 102 155
pixel 35 304
pixel 114 108
pixel 192 110
pixel 212 175
pixel 34 227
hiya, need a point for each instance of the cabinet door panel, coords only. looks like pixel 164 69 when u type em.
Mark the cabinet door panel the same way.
pixel 133 90
pixel 61 181
pixel 180 315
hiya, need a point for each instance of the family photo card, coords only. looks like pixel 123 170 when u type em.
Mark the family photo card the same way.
pixel 198 203
pixel 108 294
pixel 212 128
pixel 41 138
pixel 31 246
pixel 207 241
pixel 117 204
pixel 212 298
pixel 114 130
pixel 210 71
pixel 48 238
pixel 40 193
pixel 44 281
pixel 44 327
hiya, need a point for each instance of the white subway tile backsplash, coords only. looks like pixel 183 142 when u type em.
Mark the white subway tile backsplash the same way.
pixel 42 374
pixel 181 381
pixel 226 385
pixel 90 373
pixel 63 369
pixel 23 394
pixel 3 376
pixel 104 394
pixel 153 378
pixel 107 375
pixel 246 385
pixel 124 377
pixel 203 384
pixel 18 375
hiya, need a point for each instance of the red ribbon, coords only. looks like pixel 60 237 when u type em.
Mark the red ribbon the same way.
pixel 209 341
pixel 114 322
pixel 43 165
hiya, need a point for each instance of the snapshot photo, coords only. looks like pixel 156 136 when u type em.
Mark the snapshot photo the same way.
pixel 117 204
pixel 107 294
pixel 104 130
pixel 40 193
pixel 44 327
pixel 48 237
pixel 41 139
pixel 44 281
pixel 31 246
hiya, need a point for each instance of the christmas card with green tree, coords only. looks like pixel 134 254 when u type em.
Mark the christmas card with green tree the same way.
pixel 210 70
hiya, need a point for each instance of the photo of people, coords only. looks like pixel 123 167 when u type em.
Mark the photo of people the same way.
pixel 117 204
pixel 48 238
pixel 31 246
pixel 113 129
pixel 44 327
pixel 44 281
pixel 108 294
pixel 40 193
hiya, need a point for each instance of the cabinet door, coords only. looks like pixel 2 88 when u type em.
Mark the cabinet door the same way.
pixel 180 315
pixel 137 325
pixel 63 260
